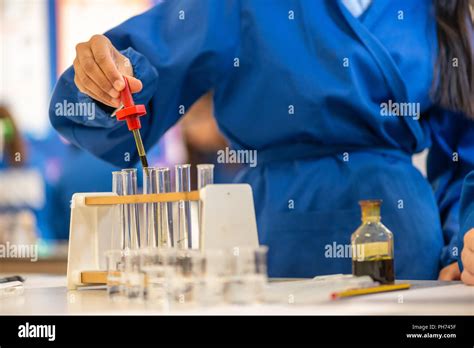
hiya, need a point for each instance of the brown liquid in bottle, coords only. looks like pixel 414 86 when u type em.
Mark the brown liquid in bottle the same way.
pixel 381 270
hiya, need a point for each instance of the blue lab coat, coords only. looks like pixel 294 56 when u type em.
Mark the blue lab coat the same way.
pixel 302 83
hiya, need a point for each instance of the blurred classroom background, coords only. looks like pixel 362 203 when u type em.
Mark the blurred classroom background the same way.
pixel 39 171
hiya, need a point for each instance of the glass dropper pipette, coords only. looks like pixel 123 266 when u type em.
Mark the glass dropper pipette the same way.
pixel 131 113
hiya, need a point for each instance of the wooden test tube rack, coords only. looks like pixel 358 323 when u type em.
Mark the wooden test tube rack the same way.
pixel 144 198
pixel 100 277
pixel 227 221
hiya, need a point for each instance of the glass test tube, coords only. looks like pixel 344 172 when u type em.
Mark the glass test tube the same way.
pixel 205 176
pixel 183 184
pixel 131 210
pixel 123 233
pixel 165 210
pixel 150 209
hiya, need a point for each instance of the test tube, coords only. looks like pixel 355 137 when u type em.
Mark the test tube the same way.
pixel 183 184
pixel 123 233
pixel 131 210
pixel 205 175
pixel 150 209
pixel 165 210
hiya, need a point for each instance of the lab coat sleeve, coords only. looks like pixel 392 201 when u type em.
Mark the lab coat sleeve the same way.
pixel 466 212
pixel 178 49
pixel 450 159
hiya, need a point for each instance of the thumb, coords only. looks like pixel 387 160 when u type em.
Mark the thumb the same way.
pixel 135 84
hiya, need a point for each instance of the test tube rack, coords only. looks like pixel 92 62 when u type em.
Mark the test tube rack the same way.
pixel 227 221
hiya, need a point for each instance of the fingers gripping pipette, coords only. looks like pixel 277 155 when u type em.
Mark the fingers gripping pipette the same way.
pixel 131 113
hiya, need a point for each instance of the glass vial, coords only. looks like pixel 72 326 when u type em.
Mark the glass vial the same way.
pixel 183 184
pixel 372 246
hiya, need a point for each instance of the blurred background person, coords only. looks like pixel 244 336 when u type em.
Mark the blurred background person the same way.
pixel 21 186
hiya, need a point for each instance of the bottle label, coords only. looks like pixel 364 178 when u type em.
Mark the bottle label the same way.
pixel 364 251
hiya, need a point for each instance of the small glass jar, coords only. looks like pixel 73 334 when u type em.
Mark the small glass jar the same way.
pixel 248 275
pixel 372 246
pixel 116 282
pixel 159 266
pixel 183 285
pixel 134 276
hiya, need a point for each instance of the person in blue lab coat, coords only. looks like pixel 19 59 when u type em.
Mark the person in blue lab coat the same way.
pixel 466 239
pixel 314 88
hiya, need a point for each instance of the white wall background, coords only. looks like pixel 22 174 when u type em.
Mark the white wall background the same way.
pixel 24 65
pixel 24 49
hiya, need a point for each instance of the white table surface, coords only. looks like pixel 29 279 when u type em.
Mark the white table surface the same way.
pixel 47 295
